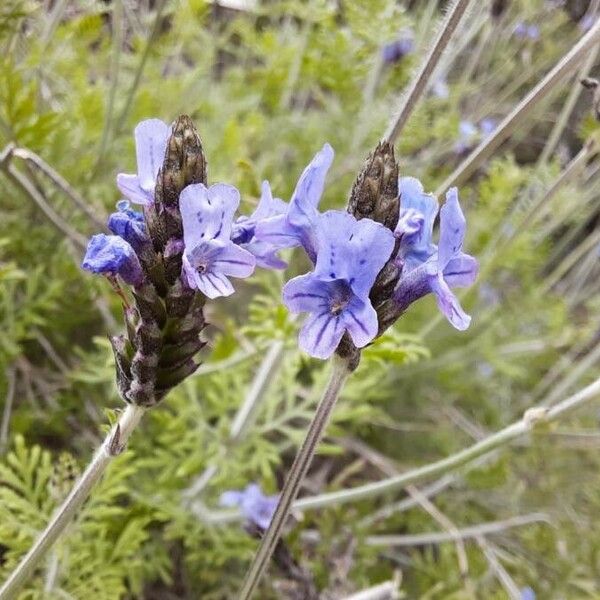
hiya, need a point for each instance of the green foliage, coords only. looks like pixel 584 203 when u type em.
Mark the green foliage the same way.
pixel 267 88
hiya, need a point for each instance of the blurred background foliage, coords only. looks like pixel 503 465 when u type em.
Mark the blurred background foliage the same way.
pixel 267 83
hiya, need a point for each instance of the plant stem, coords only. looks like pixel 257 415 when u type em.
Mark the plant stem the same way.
pixel 391 484
pixel 383 591
pixel 563 68
pixel 421 79
pixel 111 447
pixel 339 374
pixel 424 539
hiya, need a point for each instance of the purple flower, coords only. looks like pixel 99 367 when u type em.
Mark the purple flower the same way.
pixel 244 230
pixel 394 51
pixel 587 22
pixel 445 267
pixel 151 138
pixel 336 294
pixel 467 133
pixel 129 224
pixel 524 31
pixel 112 255
pixel 255 506
pixel 210 256
pixel 527 593
pixel 487 126
pixel 440 89
pixel 296 227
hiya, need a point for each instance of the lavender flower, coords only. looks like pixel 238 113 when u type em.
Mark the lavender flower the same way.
pixel 524 31
pixel 112 255
pixel 487 126
pixel 428 268
pixel 467 134
pixel 151 138
pixel 586 23
pixel 255 506
pixel 296 227
pixel 244 230
pixel 440 89
pixel 527 593
pixel 336 294
pixel 399 48
pixel 129 225
pixel 210 256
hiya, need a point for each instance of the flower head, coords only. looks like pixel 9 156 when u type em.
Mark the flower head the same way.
pixel 524 31
pixel 210 256
pixel 244 230
pixel 527 593
pixel 129 225
pixel 399 48
pixel 296 227
pixel 151 138
pixel 112 255
pixel 336 294
pixel 255 506
pixel 430 268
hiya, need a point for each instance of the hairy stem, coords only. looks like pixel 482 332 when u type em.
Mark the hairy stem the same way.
pixel 111 447
pixel 295 477
pixel 541 91
pixel 421 79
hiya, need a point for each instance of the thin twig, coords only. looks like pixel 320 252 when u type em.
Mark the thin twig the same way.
pixel 111 447
pixel 11 379
pixel 497 440
pixel 61 183
pixel 383 591
pixel 421 79
pixel 246 414
pixel 501 573
pixel 485 149
pixel 465 533
pixel 339 374
pixel 26 186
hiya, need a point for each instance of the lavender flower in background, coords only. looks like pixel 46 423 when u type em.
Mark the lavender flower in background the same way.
pixel 129 225
pixel 527 593
pixel 427 268
pixel 112 255
pixel 296 227
pixel 256 507
pixel 210 257
pixel 525 31
pixel 151 138
pixel 336 294
pixel 440 89
pixel 487 126
pixel 467 134
pixel 586 23
pixel 396 50
pixel 244 230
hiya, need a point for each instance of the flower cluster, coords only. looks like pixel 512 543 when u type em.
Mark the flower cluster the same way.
pixel 180 250
pixel 469 134
pixel 370 262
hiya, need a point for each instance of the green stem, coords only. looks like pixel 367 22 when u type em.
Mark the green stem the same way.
pixel 111 447
pixel 296 476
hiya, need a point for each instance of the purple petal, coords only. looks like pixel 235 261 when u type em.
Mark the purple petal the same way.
pixel 448 303
pixel 309 189
pixel 213 284
pixel 151 138
pixel 321 334
pixel 361 322
pixel 267 205
pixel 306 294
pixel 130 188
pixel 461 271
pixel 452 229
pixel 351 250
pixel 416 247
pixel 207 213
pixel 234 261
pixel 231 498
pixel 265 254
pixel 129 224
pixel 112 255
